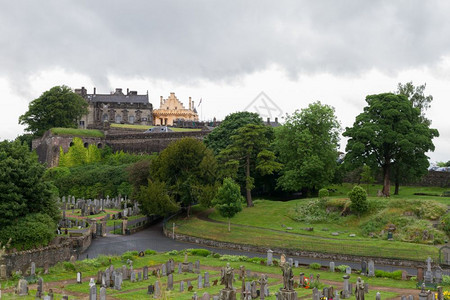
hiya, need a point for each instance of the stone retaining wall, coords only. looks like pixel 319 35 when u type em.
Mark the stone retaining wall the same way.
pixel 290 252
pixel 61 249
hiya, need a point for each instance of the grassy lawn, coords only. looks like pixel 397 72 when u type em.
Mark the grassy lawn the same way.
pixel 77 132
pixel 344 235
pixel 145 127
pixel 62 277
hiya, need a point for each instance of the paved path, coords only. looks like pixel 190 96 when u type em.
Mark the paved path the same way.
pixel 153 238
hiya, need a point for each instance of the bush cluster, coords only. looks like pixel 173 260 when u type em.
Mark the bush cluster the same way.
pixel 312 212
pixel 392 275
pixel 315 266
pixel 199 252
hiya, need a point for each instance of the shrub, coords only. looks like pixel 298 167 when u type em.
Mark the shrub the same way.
pixel 173 252
pixel 150 252
pixel 216 255
pixel 312 212
pixel 323 193
pixel 68 266
pixel 385 274
pixel 315 266
pixel 358 198
pixel 127 255
pixel 200 252
pixel 342 268
pixel 233 258
pixel 445 280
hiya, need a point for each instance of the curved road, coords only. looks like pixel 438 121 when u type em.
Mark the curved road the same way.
pixel 153 238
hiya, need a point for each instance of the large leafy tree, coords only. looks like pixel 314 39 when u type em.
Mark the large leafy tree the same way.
pixel 228 200
pixel 25 198
pixel 307 145
pixel 155 199
pixel 389 131
pixel 186 166
pixel 220 137
pixel 57 107
pixel 249 150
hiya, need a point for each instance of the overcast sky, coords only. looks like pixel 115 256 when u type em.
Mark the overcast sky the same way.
pixel 228 52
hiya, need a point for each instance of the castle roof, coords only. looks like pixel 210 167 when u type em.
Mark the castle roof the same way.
pixel 118 98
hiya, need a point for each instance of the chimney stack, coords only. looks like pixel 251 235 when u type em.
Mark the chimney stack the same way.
pixel 190 103
pixel 276 120
pixel 95 90
pixel 128 91
pixel 160 101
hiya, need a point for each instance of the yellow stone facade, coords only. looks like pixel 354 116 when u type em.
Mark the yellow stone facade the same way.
pixel 172 109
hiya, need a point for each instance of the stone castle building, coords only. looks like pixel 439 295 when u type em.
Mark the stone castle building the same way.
pixel 171 109
pixel 116 107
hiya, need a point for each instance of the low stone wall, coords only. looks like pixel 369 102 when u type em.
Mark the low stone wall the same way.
pixel 290 252
pixel 61 249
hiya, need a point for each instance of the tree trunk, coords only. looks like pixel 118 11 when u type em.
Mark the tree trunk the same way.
pixel 386 180
pixel 397 185
pixel 229 225
pixel 188 210
pixel 247 185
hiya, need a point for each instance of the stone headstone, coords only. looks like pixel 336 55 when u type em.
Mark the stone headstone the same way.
pixel 411 297
pixel 124 272
pixel 145 270
pixel 197 266
pixel 99 277
pixel 157 292
pixel 291 262
pixel 40 288
pixel 118 281
pixel 348 270
pixel 364 267
pixel 366 288
pixel 133 276
pixel 33 269
pixel 332 266
pixel 22 288
pixel 428 278
pixel 139 276
pixel 170 282
pixel 371 265
pixel 420 274
pixel 438 275
pixel 378 296
pixel 180 268
pixel 269 257
pixel 79 277
pixel 302 279
pixel 190 267
pixel 181 286
pixel 282 259
pixel 91 282
pixel 346 291
pixel 404 275
pixel 206 296
pixel 200 283
pixel 102 293
pixel 253 289
pixel 3 275
pixel 296 263
pixel 164 270
pixel 93 292
pixel 150 289
pixel 315 294
pixel 206 283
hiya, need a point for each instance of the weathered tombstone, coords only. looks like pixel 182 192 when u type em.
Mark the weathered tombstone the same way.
pixel 164 270
pixel 40 288
pixel 440 293
pixel 195 297
pixel 22 288
pixel 269 257
pixel 364 267
pixel 102 293
pixel 180 268
pixel 331 266
pixel 33 269
pixel 336 296
pixel 200 283
pixel 190 267
pixel 366 288
pixel 404 275
pixel 296 263
pixel 73 259
pixel 428 273
pixel 346 291
pixel 206 283
pixel 325 292
pixel 93 292
pixel 132 276
pixel 118 281
pixel 170 282
pixel 181 286
pixel 197 266
pixel 291 262
pixel 438 275
pixel 302 279
pixel 403 297
pixel 206 296
pixel 253 292
pixel 145 270
pixel 157 292
pixel 315 294
pixel 79 277
pixel 420 274
pixel 371 268
pixel 150 289
pixel 411 297
pixel 124 272
pixel 104 282
pixel 139 276
pixel 99 277
pixel 348 270
pixel 3 272
pixel 423 295
pixel 378 296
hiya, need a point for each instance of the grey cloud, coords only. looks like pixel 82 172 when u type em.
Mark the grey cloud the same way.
pixel 184 41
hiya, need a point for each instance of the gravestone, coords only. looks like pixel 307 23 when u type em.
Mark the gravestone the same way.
pixel 420 274
pixel 440 293
pixel 40 288
pixel 269 257
pixel 315 294
pixel 404 275
pixel 91 282
pixel 325 292
pixel 348 270
pixel 157 291
pixel 181 286
pixel 346 292
pixel 145 273
pixel 378 296
pixel 150 289
pixel 79 278
pixel 33 269
pixel 104 282
pixel 253 289
pixel 197 266
pixel 206 296
pixel 336 296
pixel 99 277
pixel 371 268
pixel 438 275
pixel 3 272
pixel 296 263
pixel 139 276
pixel 332 266
pixel 206 283
pixel 428 273
pixel 180 268
pixel 195 297
pixel 164 270
pixel 282 259
pixel 302 279
pixel 364 267
pixel 132 276
pixel 190 268
pixel 170 282
pixel 102 293
pixel 200 283
pixel 93 292
pixel 291 262
pixel 118 281
pixel 366 288
pixel 22 288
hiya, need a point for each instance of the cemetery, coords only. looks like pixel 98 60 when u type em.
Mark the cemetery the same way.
pixel 200 274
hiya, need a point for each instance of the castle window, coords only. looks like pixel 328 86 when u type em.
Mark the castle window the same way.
pixel 105 117
pixel 118 118
pixel 131 119
pixel 86 145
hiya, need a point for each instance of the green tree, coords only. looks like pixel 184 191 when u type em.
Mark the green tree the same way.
pixel 57 107
pixel 23 190
pixel 220 137
pixel 249 150
pixel 358 198
pixel 307 145
pixel 388 132
pixel 185 166
pixel 415 95
pixel 367 176
pixel 228 200
pixel 443 164
pixel 76 155
pixel 154 199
